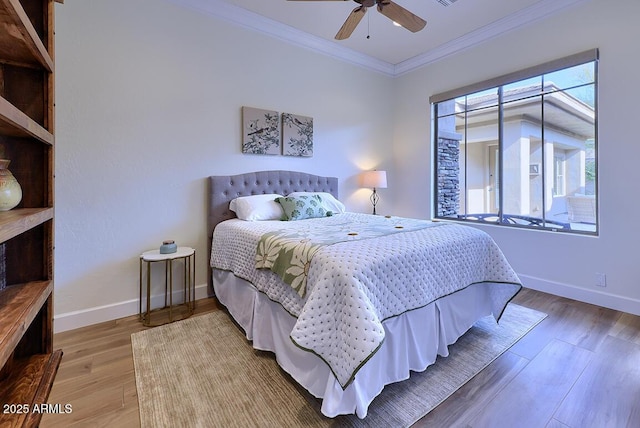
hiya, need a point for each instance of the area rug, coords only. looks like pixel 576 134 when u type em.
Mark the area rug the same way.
pixel 202 372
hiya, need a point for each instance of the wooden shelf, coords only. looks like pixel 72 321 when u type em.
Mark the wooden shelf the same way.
pixel 29 384
pixel 15 123
pixel 28 364
pixel 19 305
pixel 17 221
pixel 23 47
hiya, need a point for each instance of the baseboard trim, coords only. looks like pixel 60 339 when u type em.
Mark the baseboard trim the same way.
pixel 77 319
pixel 595 297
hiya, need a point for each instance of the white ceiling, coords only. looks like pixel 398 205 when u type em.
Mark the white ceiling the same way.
pixel 389 49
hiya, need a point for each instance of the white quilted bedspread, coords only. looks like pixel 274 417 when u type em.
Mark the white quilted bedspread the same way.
pixel 353 286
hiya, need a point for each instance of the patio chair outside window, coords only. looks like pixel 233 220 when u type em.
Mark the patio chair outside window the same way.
pixel 581 209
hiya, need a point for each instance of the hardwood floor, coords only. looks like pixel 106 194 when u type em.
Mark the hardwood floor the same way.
pixel 579 368
pixel 96 375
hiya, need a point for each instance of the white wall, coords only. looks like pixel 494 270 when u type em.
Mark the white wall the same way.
pixel 148 99
pixel 148 105
pixel 557 263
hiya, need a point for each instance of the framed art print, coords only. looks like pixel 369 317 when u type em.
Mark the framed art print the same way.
pixel 297 135
pixel 260 131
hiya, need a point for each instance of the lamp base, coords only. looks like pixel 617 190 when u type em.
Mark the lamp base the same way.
pixel 374 200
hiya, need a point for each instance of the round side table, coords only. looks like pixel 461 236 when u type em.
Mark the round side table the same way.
pixel 169 312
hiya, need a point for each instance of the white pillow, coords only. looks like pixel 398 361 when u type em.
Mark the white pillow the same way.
pixel 329 202
pixel 257 207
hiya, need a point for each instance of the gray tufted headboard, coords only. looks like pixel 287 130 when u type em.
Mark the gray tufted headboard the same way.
pixel 224 188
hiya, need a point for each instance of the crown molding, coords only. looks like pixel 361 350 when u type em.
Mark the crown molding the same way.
pixel 534 13
pixel 255 22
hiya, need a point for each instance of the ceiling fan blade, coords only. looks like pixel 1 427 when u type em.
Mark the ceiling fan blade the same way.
pixel 351 23
pixel 402 16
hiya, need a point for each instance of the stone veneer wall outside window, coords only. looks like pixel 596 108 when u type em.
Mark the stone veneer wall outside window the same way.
pixel 448 164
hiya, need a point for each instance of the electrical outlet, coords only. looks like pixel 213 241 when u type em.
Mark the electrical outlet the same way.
pixel 601 279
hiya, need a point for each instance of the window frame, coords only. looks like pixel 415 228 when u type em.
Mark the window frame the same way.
pixel 498 83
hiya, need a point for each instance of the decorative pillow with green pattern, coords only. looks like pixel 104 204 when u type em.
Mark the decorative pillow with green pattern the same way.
pixel 301 207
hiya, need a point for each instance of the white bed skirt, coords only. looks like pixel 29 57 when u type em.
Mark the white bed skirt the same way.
pixel 412 341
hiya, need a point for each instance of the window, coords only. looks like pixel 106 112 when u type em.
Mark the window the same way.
pixel 558 175
pixel 518 150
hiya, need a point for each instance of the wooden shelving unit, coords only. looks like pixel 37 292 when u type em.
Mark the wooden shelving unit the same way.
pixel 27 359
pixel 15 123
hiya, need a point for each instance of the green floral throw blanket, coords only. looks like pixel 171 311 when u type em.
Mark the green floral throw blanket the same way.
pixel 288 253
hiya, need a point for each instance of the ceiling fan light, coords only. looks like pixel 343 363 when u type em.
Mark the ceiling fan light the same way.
pixel 396 24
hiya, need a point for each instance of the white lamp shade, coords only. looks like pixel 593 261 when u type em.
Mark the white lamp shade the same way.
pixel 374 179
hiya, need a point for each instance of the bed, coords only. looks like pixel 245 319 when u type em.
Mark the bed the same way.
pixel 386 299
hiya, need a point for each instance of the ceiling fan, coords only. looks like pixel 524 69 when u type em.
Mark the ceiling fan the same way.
pixel 388 8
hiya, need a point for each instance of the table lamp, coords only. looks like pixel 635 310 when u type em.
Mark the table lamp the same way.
pixel 375 180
